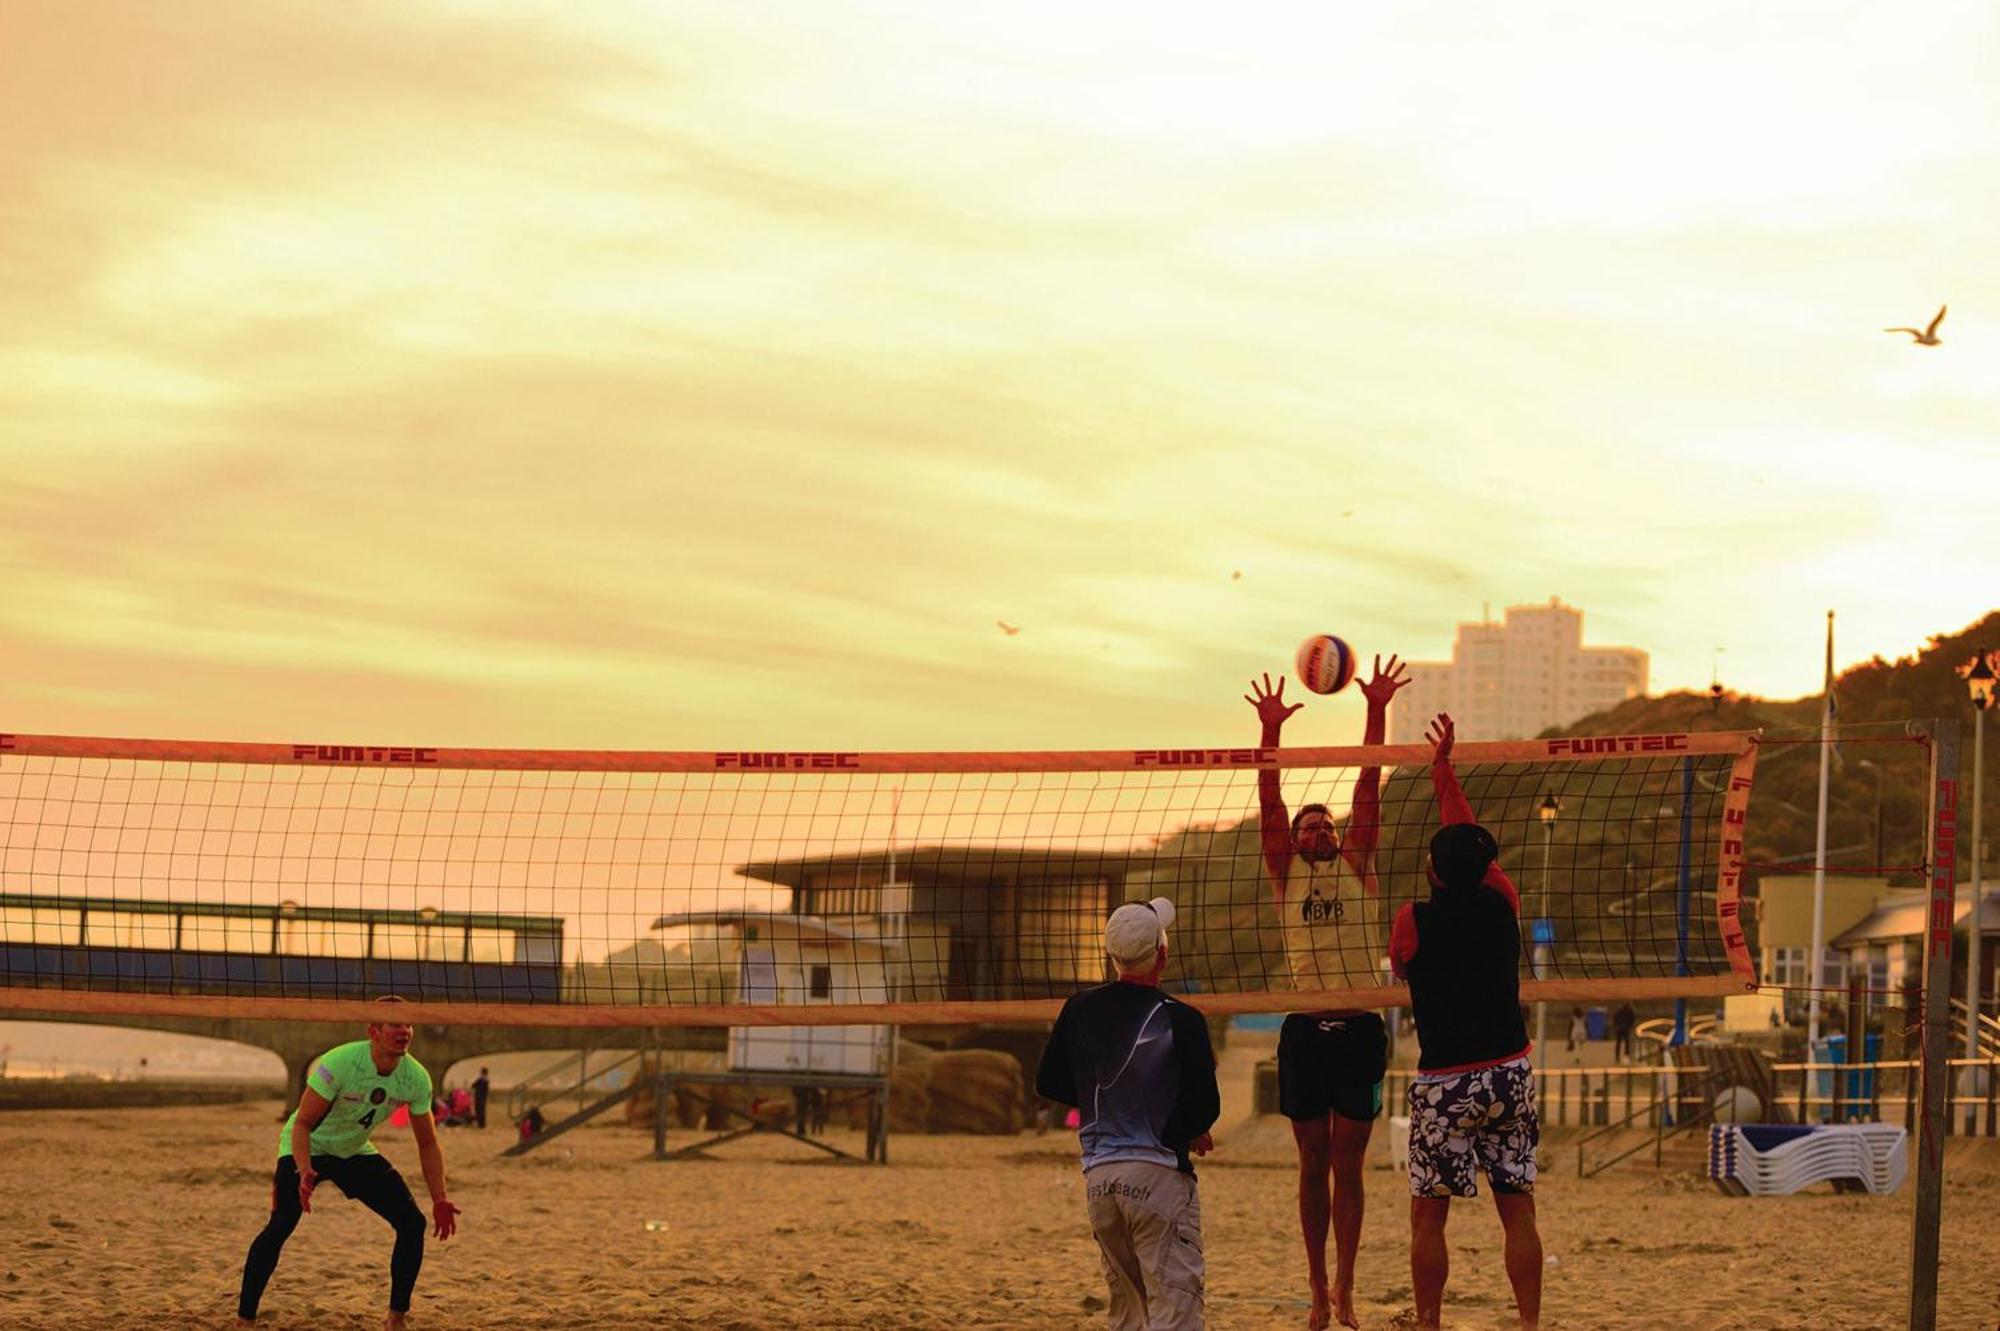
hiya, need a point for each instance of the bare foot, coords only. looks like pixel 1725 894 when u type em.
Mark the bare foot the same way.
pixel 1343 1309
pixel 394 1322
pixel 1321 1316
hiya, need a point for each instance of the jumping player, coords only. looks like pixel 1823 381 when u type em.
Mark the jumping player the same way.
pixel 352 1088
pixel 1330 1063
pixel 1472 1104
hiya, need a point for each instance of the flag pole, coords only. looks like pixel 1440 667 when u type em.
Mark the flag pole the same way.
pixel 1818 968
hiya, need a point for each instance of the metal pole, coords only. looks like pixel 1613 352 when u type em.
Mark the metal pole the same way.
pixel 1818 971
pixel 1972 976
pixel 1934 1074
pixel 1684 896
pixel 1541 948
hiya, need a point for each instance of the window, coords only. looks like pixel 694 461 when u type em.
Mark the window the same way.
pixel 128 928
pixel 322 938
pixel 491 945
pixel 225 933
pixel 419 942
pixel 40 924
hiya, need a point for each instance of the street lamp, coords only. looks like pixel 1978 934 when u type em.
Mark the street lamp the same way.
pixel 1548 811
pixel 1875 769
pixel 1979 682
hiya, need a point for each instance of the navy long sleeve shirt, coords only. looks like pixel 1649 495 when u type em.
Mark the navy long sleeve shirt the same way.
pixel 1138 1065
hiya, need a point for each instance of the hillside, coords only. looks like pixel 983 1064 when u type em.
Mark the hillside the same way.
pixel 1877 700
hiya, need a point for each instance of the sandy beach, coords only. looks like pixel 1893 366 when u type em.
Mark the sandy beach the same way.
pixel 139 1218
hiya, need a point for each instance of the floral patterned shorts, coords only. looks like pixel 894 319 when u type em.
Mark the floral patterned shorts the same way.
pixel 1484 1119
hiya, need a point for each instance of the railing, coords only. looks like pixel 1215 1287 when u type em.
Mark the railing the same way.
pixel 1663 1098
pixel 1886 1092
pixel 1589 1097
pixel 1989 1029
pixel 570 1077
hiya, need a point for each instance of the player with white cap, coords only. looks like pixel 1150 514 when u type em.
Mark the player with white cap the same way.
pixel 1139 1066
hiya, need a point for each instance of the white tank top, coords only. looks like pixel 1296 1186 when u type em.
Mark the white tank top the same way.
pixel 1333 930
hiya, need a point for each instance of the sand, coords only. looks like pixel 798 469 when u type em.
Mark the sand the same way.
pixel 139 1218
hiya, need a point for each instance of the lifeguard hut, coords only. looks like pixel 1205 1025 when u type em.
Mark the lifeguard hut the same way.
pixel 769 959
pixel 802 961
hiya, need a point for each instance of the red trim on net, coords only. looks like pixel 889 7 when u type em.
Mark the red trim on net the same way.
pixel 1594 748
pixel 1729 868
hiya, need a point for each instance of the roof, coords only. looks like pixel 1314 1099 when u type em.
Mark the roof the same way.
pixel 551 925
pixel 1902 916
pixel 959 864
pixel 797 924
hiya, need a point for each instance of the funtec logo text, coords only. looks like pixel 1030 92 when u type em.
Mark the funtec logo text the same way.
pixel 767 761
pixel 1200 757
pixel 1618 744
pixel 361 753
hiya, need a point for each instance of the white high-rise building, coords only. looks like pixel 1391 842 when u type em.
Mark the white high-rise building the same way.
pixel 1517 678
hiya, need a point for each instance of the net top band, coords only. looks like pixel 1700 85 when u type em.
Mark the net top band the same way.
pixel 836 762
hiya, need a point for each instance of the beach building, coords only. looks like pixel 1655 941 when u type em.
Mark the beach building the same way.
pixel 1514 679
pixel 1872 929
pixel 972 922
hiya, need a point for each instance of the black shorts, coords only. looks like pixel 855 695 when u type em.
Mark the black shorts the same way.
pixel 1332 1064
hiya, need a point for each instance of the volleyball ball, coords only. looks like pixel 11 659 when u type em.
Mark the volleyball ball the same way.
pixel 1325 663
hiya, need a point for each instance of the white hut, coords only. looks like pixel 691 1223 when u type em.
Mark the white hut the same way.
pixel 799 961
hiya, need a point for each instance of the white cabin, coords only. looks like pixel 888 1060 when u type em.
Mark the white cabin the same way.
pixel 801 961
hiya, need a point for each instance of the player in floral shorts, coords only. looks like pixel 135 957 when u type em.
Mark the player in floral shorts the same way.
pixel 1463 1122
pixel 1472 1105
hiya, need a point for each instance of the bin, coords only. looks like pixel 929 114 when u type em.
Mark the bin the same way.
pixel 1596 1023
pixel 1831 1049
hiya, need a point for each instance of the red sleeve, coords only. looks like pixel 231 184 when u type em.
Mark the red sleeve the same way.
pixel 1403 938
pixel 1452 805
pixel 1454 808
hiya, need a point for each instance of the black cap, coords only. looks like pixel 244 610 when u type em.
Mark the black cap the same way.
pixel 1461 853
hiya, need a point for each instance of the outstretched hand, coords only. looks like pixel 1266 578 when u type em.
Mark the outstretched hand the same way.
pixel 1442 735
pixel 445 1216
pixel 1270 702
pixel 1385 682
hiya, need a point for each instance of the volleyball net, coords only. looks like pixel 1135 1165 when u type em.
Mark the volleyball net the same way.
pixel 806 888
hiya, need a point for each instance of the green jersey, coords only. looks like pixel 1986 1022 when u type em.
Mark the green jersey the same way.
pixel 360 1097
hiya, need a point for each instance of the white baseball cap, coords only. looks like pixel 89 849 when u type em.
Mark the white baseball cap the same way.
pixel 1137 928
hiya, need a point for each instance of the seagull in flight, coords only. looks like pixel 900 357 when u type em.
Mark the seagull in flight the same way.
pixel 1009 629
pixel 1927 337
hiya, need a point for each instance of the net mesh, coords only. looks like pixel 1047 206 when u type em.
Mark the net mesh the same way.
pixel 781 888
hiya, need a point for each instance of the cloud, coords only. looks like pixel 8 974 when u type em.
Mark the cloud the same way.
pixel 573 376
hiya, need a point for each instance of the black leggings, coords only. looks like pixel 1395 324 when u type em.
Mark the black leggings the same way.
pixel 368 1179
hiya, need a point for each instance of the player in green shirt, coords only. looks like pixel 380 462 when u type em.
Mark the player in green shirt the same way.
pixel 351 1089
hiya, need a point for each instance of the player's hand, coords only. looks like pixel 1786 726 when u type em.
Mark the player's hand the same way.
pixel 1201 1145
pixel 308 1180
pixel 1270 702
pixel 445 1216
pixel 1442 734
pixel 1386 681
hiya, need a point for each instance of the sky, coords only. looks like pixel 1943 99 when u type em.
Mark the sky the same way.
pixel 688 376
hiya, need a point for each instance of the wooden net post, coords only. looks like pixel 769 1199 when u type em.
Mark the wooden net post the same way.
pixel 1934 1077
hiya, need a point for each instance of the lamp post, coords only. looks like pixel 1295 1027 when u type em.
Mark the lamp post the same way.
pixel 1875 770
pixel 1548 810
pixel 1979 681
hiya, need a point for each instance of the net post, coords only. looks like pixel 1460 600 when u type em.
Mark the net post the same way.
pixel 1684 895
pixel 1935 1073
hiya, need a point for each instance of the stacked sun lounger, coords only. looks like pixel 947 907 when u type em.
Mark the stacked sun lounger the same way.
pixel 1771 1160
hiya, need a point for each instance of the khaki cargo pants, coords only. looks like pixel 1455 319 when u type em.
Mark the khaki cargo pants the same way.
pixel 1147 1219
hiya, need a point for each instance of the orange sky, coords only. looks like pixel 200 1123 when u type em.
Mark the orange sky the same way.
pixel 683 376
